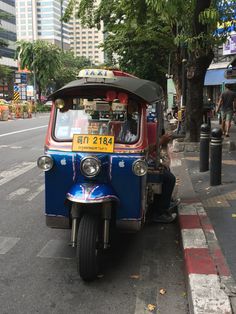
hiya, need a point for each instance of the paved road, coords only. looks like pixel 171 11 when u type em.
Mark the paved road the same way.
pixel 38 270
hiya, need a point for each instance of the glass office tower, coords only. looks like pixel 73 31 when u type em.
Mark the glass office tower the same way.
pixel 8 32
pixel 42 20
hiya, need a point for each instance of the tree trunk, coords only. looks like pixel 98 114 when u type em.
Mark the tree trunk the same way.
pixel 196 70
pixel 198 62
pixel 39 91
pixel 176 70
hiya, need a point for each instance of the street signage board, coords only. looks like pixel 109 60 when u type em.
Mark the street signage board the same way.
pixel 16 88
pixel 230 73
pixel 30 91
pixel 20 77
pixel 229 47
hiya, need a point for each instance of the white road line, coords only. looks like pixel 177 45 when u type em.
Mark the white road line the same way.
pixel 16 193
pixel 25 130
pixel 37 192
pixel 16 171
pixel 7 243
pixel 15 147
pixel 11 147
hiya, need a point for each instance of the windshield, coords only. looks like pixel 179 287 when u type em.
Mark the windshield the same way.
pixel 100 117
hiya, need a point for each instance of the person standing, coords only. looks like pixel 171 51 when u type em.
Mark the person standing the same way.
pixel 226 106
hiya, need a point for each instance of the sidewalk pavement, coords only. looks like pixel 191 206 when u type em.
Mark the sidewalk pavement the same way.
pixel 207 219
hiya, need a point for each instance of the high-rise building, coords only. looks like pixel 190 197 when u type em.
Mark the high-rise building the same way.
pixel 42 20
pixel 8 33
pixel 86 41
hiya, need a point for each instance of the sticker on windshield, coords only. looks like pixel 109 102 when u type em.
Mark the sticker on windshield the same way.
pixel 93 143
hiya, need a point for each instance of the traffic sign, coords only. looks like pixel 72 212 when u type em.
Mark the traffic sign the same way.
pixel 16 96
pixel 16 88
pixel 23 77
pixel 20 77
pixel 30 91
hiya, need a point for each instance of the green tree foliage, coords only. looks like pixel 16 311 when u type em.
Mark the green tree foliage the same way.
pixel 41 58
pixel 6 73
pixel 135 37
pixel 144 32
pixel 137 47
pixel 194 24
pixel 69 68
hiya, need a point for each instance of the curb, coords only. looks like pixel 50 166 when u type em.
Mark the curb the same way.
pixel 206 269
pixel 180 146
pixel 210 286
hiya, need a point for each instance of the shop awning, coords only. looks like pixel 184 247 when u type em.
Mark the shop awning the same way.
pixel 216 77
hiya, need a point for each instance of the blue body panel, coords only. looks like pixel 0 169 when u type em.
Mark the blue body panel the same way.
pixel 116 181
pixel 91 193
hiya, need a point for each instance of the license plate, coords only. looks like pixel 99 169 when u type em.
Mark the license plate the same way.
pixel 93 143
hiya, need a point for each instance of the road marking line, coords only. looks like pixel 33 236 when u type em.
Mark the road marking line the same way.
pixel 37 192
pixel 16 171
pixel 16 193
pixel 25 130
pixel 11 147
pixel 7 243
pixel 57 249
pixel 15 147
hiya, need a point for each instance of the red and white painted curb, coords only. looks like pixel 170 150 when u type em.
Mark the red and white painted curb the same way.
pixel 206 268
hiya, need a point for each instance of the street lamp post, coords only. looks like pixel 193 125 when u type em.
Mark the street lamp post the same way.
pixel 183 98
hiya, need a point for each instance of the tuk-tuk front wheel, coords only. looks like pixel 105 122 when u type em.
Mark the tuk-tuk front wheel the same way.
pixel 88 247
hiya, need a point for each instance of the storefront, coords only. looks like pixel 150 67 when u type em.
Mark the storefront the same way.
pixel 215 81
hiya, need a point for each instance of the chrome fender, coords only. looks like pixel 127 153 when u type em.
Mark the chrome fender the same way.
pixel 91 193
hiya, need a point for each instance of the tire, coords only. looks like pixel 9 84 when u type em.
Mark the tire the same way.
pixel 88 247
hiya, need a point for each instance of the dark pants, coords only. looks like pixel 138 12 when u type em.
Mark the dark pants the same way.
pixel 162 201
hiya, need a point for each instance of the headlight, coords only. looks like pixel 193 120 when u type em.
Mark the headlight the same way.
pixel 90 166
pixel 140 167
pixel 59 103
pixel 45 163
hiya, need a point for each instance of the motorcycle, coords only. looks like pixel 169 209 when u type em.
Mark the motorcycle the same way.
pixel 97 175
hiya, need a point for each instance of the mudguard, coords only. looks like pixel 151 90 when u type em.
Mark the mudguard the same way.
pixel 91 193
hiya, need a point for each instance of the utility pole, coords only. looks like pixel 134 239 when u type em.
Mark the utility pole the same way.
pixel 33 40
pixel 62 45
pixel 184 93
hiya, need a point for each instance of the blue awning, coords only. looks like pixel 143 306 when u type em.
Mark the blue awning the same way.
pixel 216 77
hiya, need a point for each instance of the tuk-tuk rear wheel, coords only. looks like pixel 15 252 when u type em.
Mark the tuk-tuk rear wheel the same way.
pixel 88 247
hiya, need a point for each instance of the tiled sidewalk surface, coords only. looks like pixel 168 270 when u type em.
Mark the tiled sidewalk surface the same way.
pixel 211 287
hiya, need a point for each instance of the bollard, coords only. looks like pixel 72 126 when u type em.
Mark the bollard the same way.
pixel 204 147
pixel 216 156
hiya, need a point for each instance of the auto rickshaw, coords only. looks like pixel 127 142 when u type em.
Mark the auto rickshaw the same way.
pixel 97 175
